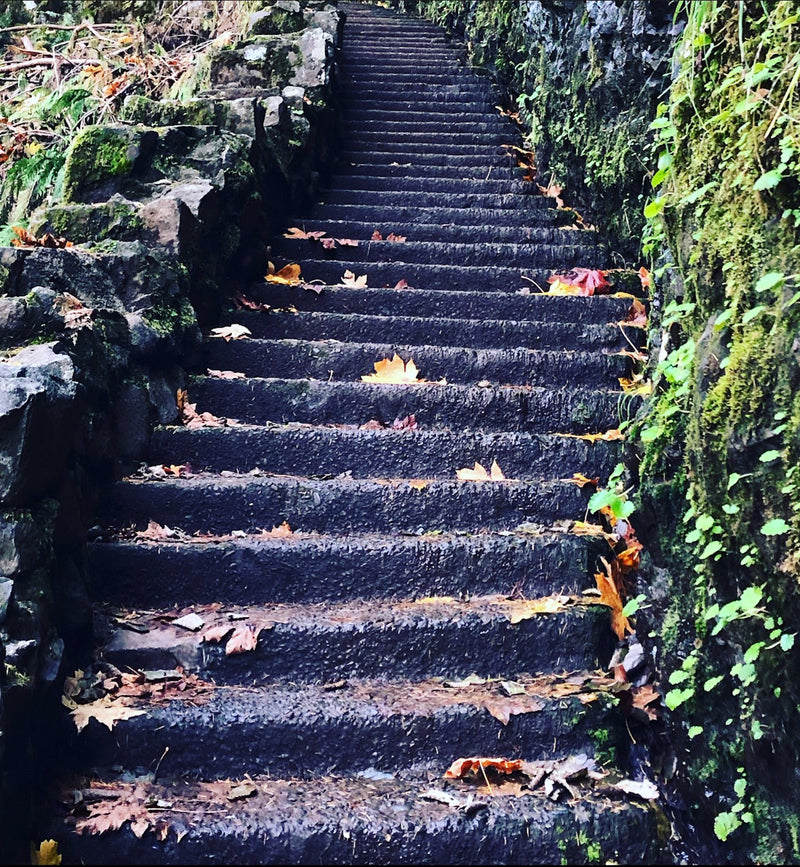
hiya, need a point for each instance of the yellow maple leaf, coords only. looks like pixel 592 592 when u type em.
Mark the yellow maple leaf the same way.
pixel 289 275
pixel 394 370
pixel 105 710
pixel 636 385
pixel 479 474
pixel 47 853
pixel 559 288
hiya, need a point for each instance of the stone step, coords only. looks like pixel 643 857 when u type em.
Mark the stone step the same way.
pixel 421 331
pixel 484 255
pixel 219 504
pixel 528 409
pixel 443 100
pixel 436 184
pixel 309 731
pixel 307 567
pixel 440 304
pixel 423 139
pixel 355 111
pixel 361 230
pixel 336 820
pixel 520 203
pixel 411 640
pixel 336 360
pixel 420 454
pixel 457 163
pixel 436 127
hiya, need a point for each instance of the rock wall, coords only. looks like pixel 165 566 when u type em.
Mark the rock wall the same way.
pixel 167 214
pixel 584 77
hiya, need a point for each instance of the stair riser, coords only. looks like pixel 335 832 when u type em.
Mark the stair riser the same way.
pixel 452 184
pixel 474 216
pixel 331 507
pixel 415 649
pixel 256 401
pixel 314 570
pixel 438 127
pixel 379 454
pixel 215 742
pixel 520 204
pixel 405 170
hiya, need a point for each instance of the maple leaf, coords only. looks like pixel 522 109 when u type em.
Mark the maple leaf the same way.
pixel 372 424
pixel 502 709
pixel 47 853
pixel 418 484
pixel 579 281
pixel 643 701
pixel 581 480
pixel 609 596
pixel 397 239
pixel 479 474
pixel 401 284
pixel 243 640
pixel 376 236
pixel 462 768
pixel 231 332
pixel 636 385
pixel 155 532
pixel 193 419
pixel 280 532
pixel 608 436
pixel 242 302
pixel 225 374
pixel 289 275
pixel 300 235
pixel 553 191
pixel 350 279
pixel 637 315
pixel 394 371
pixel 329 243
pixel 346 242
pixel 110 815
pixel 644 276
pixel 105 710
pixel 409 422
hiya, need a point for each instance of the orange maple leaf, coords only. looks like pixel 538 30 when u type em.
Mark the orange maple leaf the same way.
pixel 289 275
pixel 463 767
pixel 609 596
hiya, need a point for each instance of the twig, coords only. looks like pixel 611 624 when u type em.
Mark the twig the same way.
pixel 43 61
pixel 158 764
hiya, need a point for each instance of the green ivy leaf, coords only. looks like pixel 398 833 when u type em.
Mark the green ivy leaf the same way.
pixel 713 547
pixel 775 527
pixel 787 641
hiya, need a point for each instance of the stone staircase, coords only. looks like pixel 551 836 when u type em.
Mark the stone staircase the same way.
pixel 267 696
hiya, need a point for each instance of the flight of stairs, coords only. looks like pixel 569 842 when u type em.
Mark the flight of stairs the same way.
pixel 327 740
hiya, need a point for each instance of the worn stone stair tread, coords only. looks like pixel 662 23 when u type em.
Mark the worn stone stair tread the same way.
pixel 351 820
pixel 213 503
pixel 421 454
pixel 306 567
pixel 341 360
pixel 455 407
pixel 563 255
pixel 477 216
pixel 443 303
pixel 402 170
pixel 308 730
pixel 519 202
pixel 533 334
pixel 328 641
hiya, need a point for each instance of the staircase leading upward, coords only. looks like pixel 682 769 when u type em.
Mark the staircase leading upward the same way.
pixel 409 618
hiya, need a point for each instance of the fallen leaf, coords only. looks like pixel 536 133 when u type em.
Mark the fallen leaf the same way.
pixel 231 332
pixel 225 374
pixel 350 279
pixel 47 853
pixel 280 532
pixel 518 610
pixel 462 768
pixel 640 788
pixel 193 419
pixel 27 239
pixel 401 284
pixel 328 243
pixel 435 600
pixel 105 710
pixel 243 790
pixel 479 474
pixel 243 640
pixel 469 680
pixel 579 281
pixel 155 532
pixel 418 484
pixel 644 276
pixel 300 235
pixel 636 385
pixel 372 424
pixel 502 709
pixel 511 687
pixel 581 481
pixel 609 596
pixel 553 191
pixel 376 236
pixel 397 239
pixel 408 422
pixel 346 242
pixel 289 275
pixel 190 621
pixel 608 436
pixel 394 371
pixel 637 315
pixel 215 634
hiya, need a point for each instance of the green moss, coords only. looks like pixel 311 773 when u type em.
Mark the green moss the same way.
pixel 98 154
pixel 169 317
pixel 605 745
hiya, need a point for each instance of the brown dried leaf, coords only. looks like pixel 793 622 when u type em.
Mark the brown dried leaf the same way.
pixel 376 236
pixel 609 595
pixel 462 768
pixel 215 634
pixel 156 533
pixel 346 242
pixel 280 532
pixel 397 239
pixel 242 302
pixel 105 710
pixel 479 474
pixel 243 640
pixel 401 284
pixel 409 422
pixel 581 480
pixel 328 243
